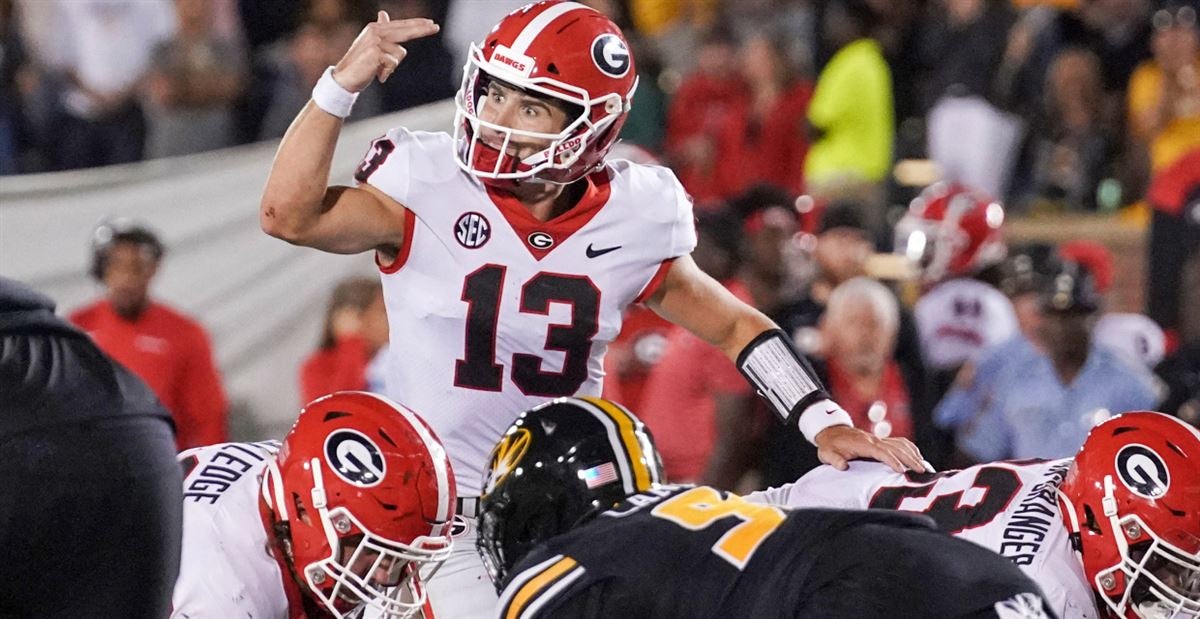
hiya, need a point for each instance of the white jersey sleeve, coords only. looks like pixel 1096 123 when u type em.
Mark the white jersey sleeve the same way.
pixel 1007 507
pixel 396 157
pixel 961 317
pixel 653 181
pixel 225 569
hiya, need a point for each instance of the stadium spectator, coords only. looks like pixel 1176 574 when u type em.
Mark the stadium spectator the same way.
pixel 355 331
pixel 1073 143
pixel 1174 239
pixel 859 334
pixel 770 268
pixel 851 112
pixel 91 491
pixel 295 64
pixel 165 348
pixel 1164 93
pixel 12 64
pixel 1022 402
pixel 196 78
pixel 104 50
pixel 700 110
pixel 689 395
pixel 763 139
pixel 971 139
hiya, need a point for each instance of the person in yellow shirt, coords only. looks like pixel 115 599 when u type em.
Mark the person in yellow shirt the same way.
pixel 851 112
pixel 1164 93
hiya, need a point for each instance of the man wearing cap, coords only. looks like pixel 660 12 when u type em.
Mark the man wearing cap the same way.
pixel 1042 400
pixel 165 348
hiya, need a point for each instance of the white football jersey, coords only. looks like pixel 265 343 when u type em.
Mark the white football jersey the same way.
pixel 1007 507
pixel 225 569
pixel 959 318
pixel 493 312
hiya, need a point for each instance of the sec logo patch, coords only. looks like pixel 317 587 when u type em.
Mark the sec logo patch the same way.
pixel 472 230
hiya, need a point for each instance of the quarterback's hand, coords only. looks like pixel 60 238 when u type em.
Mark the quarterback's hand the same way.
pixel 377 50
pixel 837 445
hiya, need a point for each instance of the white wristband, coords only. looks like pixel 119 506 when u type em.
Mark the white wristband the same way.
pixel 331 97
pixel 821 415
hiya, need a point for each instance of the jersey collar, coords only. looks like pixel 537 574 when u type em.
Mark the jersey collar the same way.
pixel 525 225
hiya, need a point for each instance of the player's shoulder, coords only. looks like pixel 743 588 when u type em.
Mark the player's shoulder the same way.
pixel 542 579
pixel 653 191
pixel 409 139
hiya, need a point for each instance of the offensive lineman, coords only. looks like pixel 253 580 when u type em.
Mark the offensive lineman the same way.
pixel 352 512
pixel 1051 517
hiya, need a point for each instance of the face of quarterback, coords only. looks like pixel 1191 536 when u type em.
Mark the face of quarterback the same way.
pixel 128 269
pixel 511 107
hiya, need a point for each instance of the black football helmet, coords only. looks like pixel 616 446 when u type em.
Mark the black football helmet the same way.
pixel 555 466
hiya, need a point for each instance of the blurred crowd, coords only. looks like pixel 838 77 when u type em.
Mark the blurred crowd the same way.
pixel 797 126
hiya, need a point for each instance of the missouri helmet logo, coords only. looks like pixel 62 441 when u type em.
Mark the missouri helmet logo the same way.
pixel 505 457
pixel 1143 471
pixel 610 55
pixel 355 458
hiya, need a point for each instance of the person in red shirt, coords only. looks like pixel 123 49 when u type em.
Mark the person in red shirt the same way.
pixel 689 393
pixel 858 331
pixel 764 137
pixel 356 329
pixel 699 115
pixel 163 347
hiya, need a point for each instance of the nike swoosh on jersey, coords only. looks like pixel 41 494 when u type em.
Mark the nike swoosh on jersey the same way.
pixel 596 253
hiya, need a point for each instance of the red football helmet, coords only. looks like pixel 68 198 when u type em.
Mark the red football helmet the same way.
pixel 557 49
pixel 951 230
pixel 363 496
pixel 1132 503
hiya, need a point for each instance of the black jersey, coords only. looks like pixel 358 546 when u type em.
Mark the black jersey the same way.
pixel 683 551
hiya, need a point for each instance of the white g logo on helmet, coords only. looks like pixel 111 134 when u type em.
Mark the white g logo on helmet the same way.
pixel 355 458
pixel 611 55
pixel 1143 471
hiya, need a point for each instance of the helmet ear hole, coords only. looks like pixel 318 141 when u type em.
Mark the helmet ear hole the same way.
pixel 1090 521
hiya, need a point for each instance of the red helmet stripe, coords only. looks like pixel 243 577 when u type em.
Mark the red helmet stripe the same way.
pixel 539 23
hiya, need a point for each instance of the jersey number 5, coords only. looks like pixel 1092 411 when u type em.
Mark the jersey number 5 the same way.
pixel 702 506
pixel 478 368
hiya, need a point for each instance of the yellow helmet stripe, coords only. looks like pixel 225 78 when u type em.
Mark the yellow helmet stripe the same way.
pixel 643 477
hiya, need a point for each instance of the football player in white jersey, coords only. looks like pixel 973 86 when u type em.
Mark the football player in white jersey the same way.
pixel 952 233
pixel 1112 532
pixel 509 250
pixel 352 512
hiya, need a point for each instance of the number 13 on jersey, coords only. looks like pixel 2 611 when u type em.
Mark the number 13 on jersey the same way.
pixel 482 293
